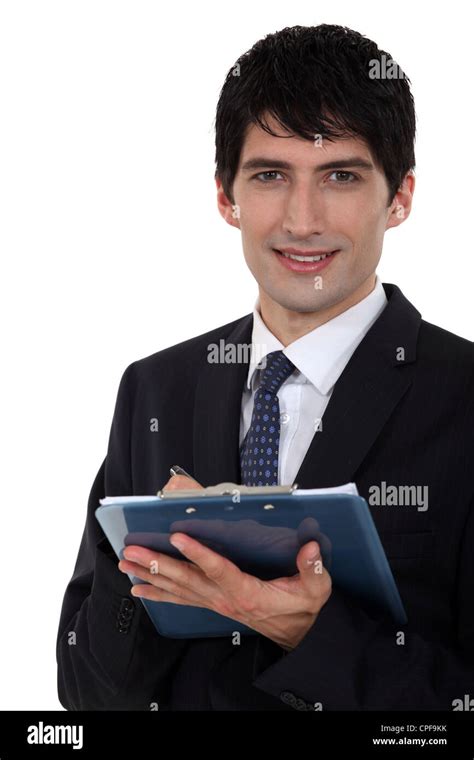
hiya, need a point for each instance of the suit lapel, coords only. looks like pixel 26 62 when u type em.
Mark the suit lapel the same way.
pixel 217 413
pixel 377 376
pixel 373 382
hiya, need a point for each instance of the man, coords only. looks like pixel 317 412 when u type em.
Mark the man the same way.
pixel 315 162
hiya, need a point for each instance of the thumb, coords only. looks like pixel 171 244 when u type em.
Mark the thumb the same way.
pixel 309 562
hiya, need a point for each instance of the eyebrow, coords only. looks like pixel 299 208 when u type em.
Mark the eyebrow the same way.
pixel 263 162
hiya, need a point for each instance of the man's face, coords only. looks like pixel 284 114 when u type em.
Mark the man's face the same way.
pixel 312 205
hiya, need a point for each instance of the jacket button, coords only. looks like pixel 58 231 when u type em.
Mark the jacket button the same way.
pixel 288 697
pixel 302 705
pixel 125 615
pixel 296 702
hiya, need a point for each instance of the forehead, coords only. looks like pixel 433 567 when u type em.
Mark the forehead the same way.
pixel 297 150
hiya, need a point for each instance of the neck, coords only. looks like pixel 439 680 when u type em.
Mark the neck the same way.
pixel 288 326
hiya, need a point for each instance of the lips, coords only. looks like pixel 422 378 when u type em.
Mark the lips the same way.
pixel 295 255
pixel 302 252
pixel 298 262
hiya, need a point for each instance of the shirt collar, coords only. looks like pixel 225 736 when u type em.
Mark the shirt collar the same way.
pixel 321 354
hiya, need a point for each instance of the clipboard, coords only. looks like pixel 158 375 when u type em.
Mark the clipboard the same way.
pixel 261 530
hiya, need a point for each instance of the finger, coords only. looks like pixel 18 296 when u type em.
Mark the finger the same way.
pixel 161 582
pixel 158 595
pixel 309 560
pixel 181 572
pixel 148 558
pixel 218 569
pixel 308 530
pixel 314 575
pixel 178 482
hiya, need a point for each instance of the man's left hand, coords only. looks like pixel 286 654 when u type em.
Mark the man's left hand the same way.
pixel 283 609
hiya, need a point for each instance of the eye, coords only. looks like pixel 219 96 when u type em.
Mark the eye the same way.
pixel 262 174
pixel 347 177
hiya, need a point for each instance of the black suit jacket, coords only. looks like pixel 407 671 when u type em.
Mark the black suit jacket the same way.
pixel 405 417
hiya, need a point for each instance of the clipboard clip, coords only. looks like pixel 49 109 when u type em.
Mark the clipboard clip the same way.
pixel 221 489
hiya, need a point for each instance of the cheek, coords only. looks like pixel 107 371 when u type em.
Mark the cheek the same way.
pixel 258 220
pixel 347 220
pixel 357 220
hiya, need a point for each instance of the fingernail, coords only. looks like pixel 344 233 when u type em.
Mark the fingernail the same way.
pixel 177 542
pixel 314 556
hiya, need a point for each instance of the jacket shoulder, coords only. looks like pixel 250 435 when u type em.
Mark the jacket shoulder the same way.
pixel 184 355
pixel 437 344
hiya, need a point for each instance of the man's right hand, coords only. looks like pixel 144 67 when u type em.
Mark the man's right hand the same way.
pixel 179 482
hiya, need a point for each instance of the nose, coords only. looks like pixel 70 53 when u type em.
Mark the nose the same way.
pixel 304 212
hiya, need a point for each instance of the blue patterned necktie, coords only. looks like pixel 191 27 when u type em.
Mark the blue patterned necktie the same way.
pixel 259 450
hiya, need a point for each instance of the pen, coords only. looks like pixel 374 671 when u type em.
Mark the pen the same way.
pixel 177 470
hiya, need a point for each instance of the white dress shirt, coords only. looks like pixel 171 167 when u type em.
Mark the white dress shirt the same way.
pixel 319 357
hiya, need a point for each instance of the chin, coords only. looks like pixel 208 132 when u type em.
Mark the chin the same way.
pixel 303 305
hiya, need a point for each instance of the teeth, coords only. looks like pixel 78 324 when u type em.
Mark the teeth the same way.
pixel 306 258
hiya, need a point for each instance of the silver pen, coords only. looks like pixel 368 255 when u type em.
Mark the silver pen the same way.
pixel 177 470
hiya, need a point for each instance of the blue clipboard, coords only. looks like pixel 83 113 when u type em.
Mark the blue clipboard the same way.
pixel 261 530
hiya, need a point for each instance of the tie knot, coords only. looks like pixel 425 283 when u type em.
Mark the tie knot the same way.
pixel 278 368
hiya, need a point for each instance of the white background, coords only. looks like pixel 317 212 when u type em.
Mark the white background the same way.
pixel 112 247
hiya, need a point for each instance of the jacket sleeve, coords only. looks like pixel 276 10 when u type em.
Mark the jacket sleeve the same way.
pixel 109 654
pixel 351 660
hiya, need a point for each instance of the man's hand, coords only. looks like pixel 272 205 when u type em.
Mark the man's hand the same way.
pixel 283 609
pixel 177 482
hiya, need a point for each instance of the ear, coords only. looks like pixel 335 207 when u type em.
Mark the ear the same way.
pixel 401 205
pixel 229 211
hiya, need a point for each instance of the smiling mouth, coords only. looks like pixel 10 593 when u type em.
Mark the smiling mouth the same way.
pixel 295 257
